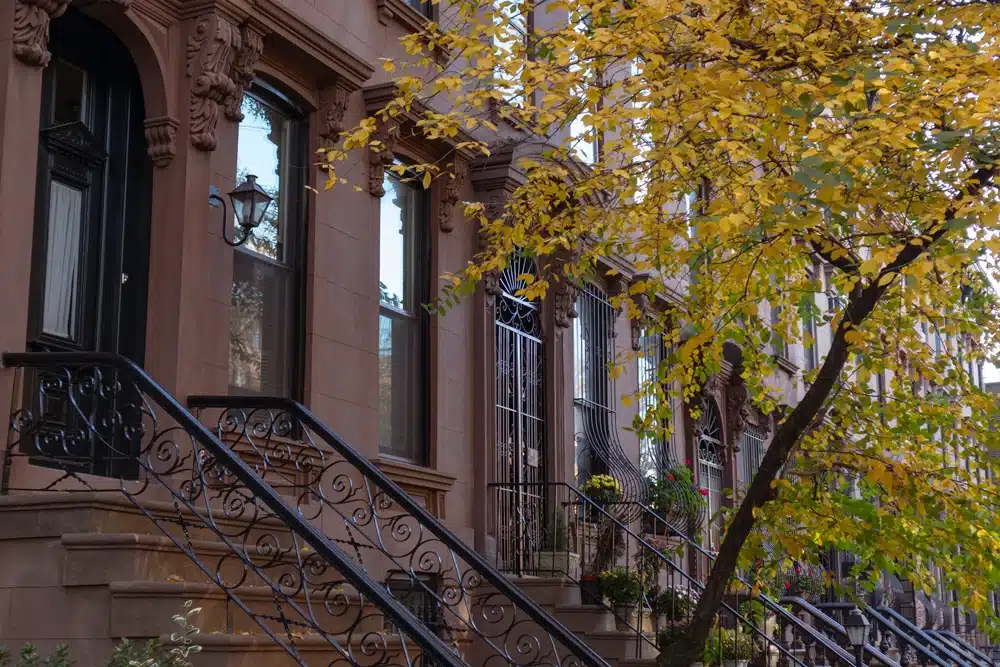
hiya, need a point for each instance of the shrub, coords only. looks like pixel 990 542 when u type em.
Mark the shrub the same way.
pixel 126 653
pixel 675 604
pixel 620 586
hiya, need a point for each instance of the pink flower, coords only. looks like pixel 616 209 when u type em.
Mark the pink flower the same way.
pixel 670 477
pixel 788 585
pixel 703 492
pixel 687 462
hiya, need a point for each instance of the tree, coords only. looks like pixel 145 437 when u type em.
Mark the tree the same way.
pixel 725 147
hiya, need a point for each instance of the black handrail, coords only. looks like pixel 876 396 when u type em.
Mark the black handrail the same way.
pixel 488 572
pixel 822 617
pixel 967 646
pixel 399 614
pixel 922 635
pixel 772 605
pixel 904 636
pixel 950 640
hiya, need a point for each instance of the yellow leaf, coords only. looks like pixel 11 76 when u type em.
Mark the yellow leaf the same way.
pixel 427 179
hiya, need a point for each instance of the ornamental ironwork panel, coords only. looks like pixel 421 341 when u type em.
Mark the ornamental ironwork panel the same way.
pixel 598 449
pixel 520 453
pixel 317 596
pixel 711 466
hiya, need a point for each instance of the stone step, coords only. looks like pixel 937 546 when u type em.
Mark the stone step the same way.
pixel 549 591
pixel 583 617
pixel 146 609
pixel 617 646
pixel 261 651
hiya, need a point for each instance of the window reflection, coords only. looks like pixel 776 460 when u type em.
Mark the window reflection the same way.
pixel 262 322
pixel 401 344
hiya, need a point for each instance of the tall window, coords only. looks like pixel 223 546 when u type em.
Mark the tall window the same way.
pixel 511 42
pixel 711 465
pixel 422 6
pixel 404 288
pixel 593 351
pixel 752 452
pixel 266 308
pixel 779 345
pixel 654 448
pixel 810 345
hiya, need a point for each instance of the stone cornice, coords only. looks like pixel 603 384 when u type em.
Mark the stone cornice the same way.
pixel 401 12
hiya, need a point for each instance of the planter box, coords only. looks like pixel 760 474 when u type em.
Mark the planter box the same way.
pixel 566 563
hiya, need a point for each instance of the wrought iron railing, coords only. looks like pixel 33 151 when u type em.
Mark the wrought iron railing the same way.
pixel 923 637
pixel 388 533
pixel 911 651
pixel 958 645
pixel 591 538
pixel 833 628
pixel 84 413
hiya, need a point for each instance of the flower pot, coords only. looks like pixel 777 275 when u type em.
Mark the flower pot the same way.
pixel 626 617
pixel 563 563
pixel 735 663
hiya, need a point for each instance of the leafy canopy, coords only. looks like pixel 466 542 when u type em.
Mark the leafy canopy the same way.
pixel 736 152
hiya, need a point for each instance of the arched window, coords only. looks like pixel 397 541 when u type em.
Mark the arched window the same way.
pixel 711 464
pixel 520 455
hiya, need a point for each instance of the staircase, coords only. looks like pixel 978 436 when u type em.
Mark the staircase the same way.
pixel 123 505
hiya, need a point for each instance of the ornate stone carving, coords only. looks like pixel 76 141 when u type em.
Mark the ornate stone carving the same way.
pixel 31 29
pixel 160 134
pixel 564 292
pixel 334 108
pixel 210 53
pixel 738 412
pixel 380 157
pixel 638 323
pixel 452 189
pixel 243 67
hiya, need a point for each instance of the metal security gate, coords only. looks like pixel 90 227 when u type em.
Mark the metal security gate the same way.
pixel 519 472
pixel 710 467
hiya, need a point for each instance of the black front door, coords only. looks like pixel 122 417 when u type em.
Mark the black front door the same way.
pixel 91 249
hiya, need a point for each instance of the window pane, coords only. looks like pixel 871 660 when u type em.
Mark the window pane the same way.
pixel 397 226
pixel 62 260
pixel 70 103
pixel 402 292
pixel 264 152
pixel 260 350
pixel 399 378
pixel 262 317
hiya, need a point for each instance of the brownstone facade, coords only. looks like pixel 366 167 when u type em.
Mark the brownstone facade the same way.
pixel 194 60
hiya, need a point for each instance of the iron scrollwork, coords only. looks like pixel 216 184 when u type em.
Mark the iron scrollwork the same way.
pixel 81 403
pixel 471 605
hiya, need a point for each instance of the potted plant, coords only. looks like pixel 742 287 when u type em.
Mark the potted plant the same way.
pixel 555 558
pixel 623 590
pixel 602 490
pixel 608 546
pixel 671 633
pixel 735 648
pixel 673 607
pixel 805 583
pixel 674 497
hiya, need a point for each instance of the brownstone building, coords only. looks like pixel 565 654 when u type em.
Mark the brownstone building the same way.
pixel 124 125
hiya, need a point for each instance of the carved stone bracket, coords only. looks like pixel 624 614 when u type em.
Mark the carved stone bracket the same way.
pixel 638 323
pixel 31 29
pixel 380 157
pixel 494 209
pixel 741 411
pixel 160 133
pixel 333 111
pixel 452 190
pixel 242 70
pixel 564 292
pixel 210 52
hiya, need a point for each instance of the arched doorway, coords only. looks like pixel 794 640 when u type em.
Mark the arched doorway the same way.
pixel 520 455
pixel 90 253
pixel 90 248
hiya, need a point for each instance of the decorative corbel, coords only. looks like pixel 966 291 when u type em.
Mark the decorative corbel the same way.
pixel 494 209
pixel 334 107
pixel 564 292
pixel 210 53
pixel 452 191
pixel 738 409
pixel 644 307
pixel 31 29
pixel 380 157
pixel 242 70
pixel 160 133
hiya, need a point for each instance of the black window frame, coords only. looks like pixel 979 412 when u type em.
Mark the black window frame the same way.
pixel 297 237
pixel 422 276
